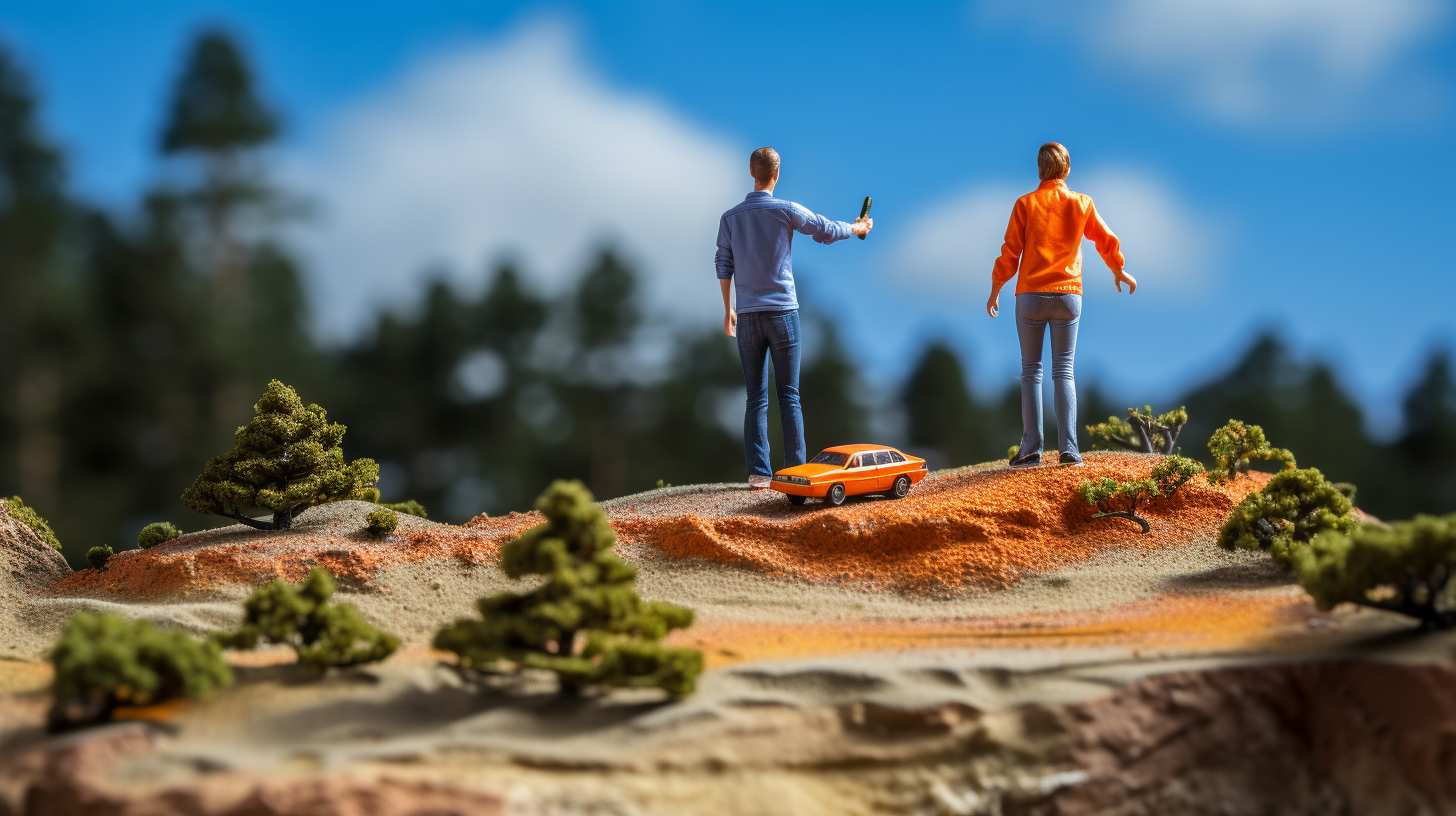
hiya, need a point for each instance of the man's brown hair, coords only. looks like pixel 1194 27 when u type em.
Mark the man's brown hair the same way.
pixel 1053 161
pixel 763 164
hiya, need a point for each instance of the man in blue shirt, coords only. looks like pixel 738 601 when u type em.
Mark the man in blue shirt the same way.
pixel 755 257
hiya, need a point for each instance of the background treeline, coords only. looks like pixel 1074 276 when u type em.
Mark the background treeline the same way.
pixel 133 344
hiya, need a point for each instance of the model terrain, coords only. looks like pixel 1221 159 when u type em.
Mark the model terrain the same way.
pixel 982 645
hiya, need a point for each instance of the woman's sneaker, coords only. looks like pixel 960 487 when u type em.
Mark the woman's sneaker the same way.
pixel 1029 460
pixel 1070 458
pixel 760 482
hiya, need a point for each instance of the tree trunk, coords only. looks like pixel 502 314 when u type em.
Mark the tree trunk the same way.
pixel 1125 514
pixel 250 522
pixel 283 519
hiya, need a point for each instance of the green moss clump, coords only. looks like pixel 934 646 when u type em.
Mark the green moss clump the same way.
pixel 1235 445
pixel 106 661
pixel 382 522
pixel 1287 514
pixel 156 533
pixel 1405 568
pixel 98 556
pixel 408 507
pixel 26 515
pixel 586 623
pixel 323 634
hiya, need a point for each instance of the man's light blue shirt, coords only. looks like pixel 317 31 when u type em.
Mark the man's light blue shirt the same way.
pixel 755 249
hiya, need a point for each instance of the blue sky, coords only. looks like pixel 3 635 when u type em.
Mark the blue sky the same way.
pixel 1267 164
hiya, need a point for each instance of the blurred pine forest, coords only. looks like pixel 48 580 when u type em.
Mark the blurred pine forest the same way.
pixel 133 344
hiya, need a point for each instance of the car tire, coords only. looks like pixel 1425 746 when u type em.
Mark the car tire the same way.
pixel 797 501
pixel 900 488
pixel 837 494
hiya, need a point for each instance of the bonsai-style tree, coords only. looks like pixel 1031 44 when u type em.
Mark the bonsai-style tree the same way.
pixel 382 521
pixel 1235 445
pixel 156 533
pixel 1405 568
pixel 105 661
pixel 287 459
pixel 1114 499
pixel 586 622
pixel 99 555
pixel 1142 431
pixel 323 634
pixel 1287 514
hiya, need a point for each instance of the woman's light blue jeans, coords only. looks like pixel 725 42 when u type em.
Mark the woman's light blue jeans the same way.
pixel 1034 312
pixel 762 335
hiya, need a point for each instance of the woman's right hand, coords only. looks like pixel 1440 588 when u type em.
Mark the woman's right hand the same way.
pixel 1120 277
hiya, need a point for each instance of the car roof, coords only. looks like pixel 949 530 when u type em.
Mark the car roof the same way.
pixel 858 448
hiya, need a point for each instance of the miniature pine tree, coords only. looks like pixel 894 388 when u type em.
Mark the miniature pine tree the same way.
pixel 1235 445
pixel 287 459
pixel 156 533
pixel 323 634
pixel 586 623
pixel 1114 499
pixel 26 515
pixel 1142 431
pixel 105 661
pixel 1287 514
pixel 382 522
pixel 1405 568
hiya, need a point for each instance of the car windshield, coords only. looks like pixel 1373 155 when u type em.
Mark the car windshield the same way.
pixel 831 458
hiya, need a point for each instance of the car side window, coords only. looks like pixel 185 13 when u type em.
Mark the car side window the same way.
pixel 895 457
pixel 883 458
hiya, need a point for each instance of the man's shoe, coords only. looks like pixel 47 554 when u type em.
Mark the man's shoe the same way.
pixel 1071 459
pixel 1029 460
pixel 760 482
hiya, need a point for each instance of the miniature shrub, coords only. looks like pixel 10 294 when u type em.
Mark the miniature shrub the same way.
pixel 382 521
pixel 157 532
pixel 26 515
pixel 1235 445
pixel 105 661
pixel 1287 514
pixel 408 507
pixel 589 592
pixel 1142 431
pixel 98 556
pixel 1405 568
pixel 1012 451
pixel 287 459
pixel 1114 499
pixel 323 634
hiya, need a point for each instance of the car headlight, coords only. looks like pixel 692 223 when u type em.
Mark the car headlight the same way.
pixel 794 480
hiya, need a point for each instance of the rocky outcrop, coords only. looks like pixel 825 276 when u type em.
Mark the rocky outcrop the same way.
pixel 26 562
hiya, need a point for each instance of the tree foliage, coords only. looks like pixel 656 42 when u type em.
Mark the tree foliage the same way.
pixel 408 507
pixel 288 459
pixel 1405 568
pixel 382 521
pixel 98 556
pixel 1236 445
pixel 1114 499
pixel 156 533
pixel 106 661
pixel 586 623
pixel 323 634
pixel 215 107
pixel 26 515
pixel 1142 431
pixel 1287 514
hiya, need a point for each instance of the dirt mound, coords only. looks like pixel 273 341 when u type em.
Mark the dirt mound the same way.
pixel 972 528
pixel 332 536
pixel 26 562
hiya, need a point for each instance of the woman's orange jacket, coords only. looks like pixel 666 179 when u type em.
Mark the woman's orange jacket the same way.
pixel 1045 239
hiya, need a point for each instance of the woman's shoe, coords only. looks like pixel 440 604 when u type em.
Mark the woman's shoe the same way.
pixel 759 482
pixel 1029 460
pixel 1070 459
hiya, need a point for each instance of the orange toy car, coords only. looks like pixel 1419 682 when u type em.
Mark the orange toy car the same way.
pixel 851 470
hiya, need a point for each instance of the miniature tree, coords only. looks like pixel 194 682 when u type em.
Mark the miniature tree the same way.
pixel 408 507
pixel 156 533
pixel 1142 431
pixel 287 459
pixel 1287 514
pixel 98 556
pixel 586 623
pixel 1405 568
pixel 26 515
pixel 1114 499
pixel 105 661
pixel 382 522
pixel 1235 445
pixel 323 634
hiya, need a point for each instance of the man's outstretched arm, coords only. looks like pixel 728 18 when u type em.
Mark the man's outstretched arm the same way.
pixel 827 230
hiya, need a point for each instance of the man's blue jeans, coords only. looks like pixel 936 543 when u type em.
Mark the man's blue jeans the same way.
pixel 1034 312
pixel 761 334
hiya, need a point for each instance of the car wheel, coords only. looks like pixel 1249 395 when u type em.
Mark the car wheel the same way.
pixel 797 501
pixel 900 487
pixel 836 495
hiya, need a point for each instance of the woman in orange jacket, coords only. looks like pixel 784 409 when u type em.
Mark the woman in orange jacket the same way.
pixel 1044 243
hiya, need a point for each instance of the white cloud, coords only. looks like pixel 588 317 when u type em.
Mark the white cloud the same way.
pixel 1169 244
pixel 510 148
pixel 1302 62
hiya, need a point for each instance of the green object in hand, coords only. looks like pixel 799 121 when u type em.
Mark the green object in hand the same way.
pixel 864 212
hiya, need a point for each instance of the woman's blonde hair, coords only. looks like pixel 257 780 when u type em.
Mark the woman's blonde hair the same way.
pixel 1053 161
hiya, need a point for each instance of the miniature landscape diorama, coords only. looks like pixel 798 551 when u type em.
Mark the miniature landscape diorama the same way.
pixel 465 566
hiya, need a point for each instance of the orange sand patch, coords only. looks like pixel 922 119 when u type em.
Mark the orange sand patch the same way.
pixel 982 528
pixel 1200 622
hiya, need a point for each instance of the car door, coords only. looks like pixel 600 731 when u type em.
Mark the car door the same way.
pixel 861 475
pixel 885 470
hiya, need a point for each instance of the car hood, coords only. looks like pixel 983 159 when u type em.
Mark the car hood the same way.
pixel 808 471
